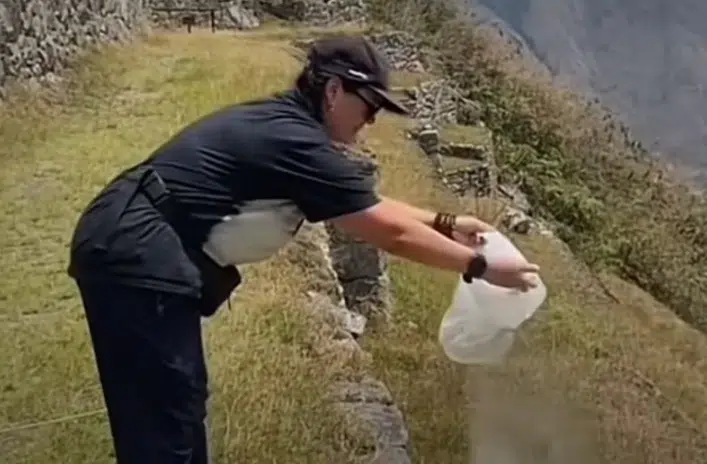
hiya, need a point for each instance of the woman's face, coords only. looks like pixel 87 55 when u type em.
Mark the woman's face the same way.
pixel 346 112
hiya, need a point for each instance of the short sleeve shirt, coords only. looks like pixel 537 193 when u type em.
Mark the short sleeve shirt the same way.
pixel 245 174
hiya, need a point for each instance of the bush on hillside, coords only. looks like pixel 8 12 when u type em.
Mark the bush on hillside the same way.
pixel 612 203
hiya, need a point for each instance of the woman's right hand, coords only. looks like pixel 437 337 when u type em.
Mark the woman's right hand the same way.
pixel 516 274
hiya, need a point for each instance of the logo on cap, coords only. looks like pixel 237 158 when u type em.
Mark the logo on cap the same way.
pixel 358 74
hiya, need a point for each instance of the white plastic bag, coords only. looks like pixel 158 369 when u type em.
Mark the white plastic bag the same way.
pixel 480 324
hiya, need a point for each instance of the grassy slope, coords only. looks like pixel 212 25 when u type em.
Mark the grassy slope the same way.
pixel 640 373
pixel 267 385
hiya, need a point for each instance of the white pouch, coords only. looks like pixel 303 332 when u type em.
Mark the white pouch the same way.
pixel 259 231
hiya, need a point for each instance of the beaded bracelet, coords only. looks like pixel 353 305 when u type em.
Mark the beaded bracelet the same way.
pixel 444 223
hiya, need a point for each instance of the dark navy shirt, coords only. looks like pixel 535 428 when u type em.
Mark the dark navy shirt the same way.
pixel 249 171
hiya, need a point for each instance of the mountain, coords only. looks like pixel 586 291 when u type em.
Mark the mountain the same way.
pixel 644 59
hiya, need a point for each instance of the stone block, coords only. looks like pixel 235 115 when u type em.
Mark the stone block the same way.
pixel 465 151
pixel 39 37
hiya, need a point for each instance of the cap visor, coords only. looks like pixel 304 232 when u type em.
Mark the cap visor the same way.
pixel 389 103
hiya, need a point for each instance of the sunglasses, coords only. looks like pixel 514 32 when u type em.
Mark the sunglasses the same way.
pixel 372 105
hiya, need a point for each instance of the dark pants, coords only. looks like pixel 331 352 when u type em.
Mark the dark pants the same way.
pixel 150 360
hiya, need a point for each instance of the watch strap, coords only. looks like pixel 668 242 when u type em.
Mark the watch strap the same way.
pixel 475 269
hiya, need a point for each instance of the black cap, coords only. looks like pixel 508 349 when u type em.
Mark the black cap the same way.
pixel 356 60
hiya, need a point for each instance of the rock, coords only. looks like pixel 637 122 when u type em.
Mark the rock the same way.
pixel 428 139
pixel 465 151
pixel 517 221
pixel 38 37
pixel 515 197
pixel 229 14
pixel 337 315
pixel 316 12
pixel 400 48
pixel 475 179
pixel 435 102
pixel 385 422
pixel 369 403
pixel 310 251
pixel 360 267
pixel 469 112
pixel 361 270
pixel 369 390
pixel 242 18
pixel 290 10
pixel 520 222
pixel 354 259
pixel 369 296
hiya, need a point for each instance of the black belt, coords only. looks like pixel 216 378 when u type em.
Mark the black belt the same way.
pixel 150 184
pixel 218 282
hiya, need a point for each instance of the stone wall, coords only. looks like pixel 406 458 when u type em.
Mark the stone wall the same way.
pixel 227 14
pixel 470 170
pixel 247 14
pixel 401 49
pixel 360 273
pixel 316 12
pixel 466 169
pixel 360 267
pixel 340 263
pixel 439 102
pixel 39 37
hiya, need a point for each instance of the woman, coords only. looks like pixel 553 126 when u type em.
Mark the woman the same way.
pixel 159 247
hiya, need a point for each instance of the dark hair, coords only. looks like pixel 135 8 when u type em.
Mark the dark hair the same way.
pixel 311 84
pixel 303 82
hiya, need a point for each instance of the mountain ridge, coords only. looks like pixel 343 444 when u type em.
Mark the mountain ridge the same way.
pixel 645 61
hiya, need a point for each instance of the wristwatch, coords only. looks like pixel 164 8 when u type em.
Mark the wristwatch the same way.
pixel 475 269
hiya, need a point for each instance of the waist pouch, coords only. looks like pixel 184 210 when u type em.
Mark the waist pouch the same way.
pixel 215 283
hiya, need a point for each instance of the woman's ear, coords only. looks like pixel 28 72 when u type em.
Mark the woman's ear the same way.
pixel 332 88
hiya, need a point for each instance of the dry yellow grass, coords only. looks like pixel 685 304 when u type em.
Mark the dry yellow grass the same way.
pixel 629 367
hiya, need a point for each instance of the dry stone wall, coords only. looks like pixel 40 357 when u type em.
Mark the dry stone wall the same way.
pixel 227 14
pixel 248 14
pixel 366 401
pixel 466 169
pixel 470 170
pixel 39 37
pixel 438 102
pixel 350 289
pixel 316 12
pixel 401 49
pixel 360 267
